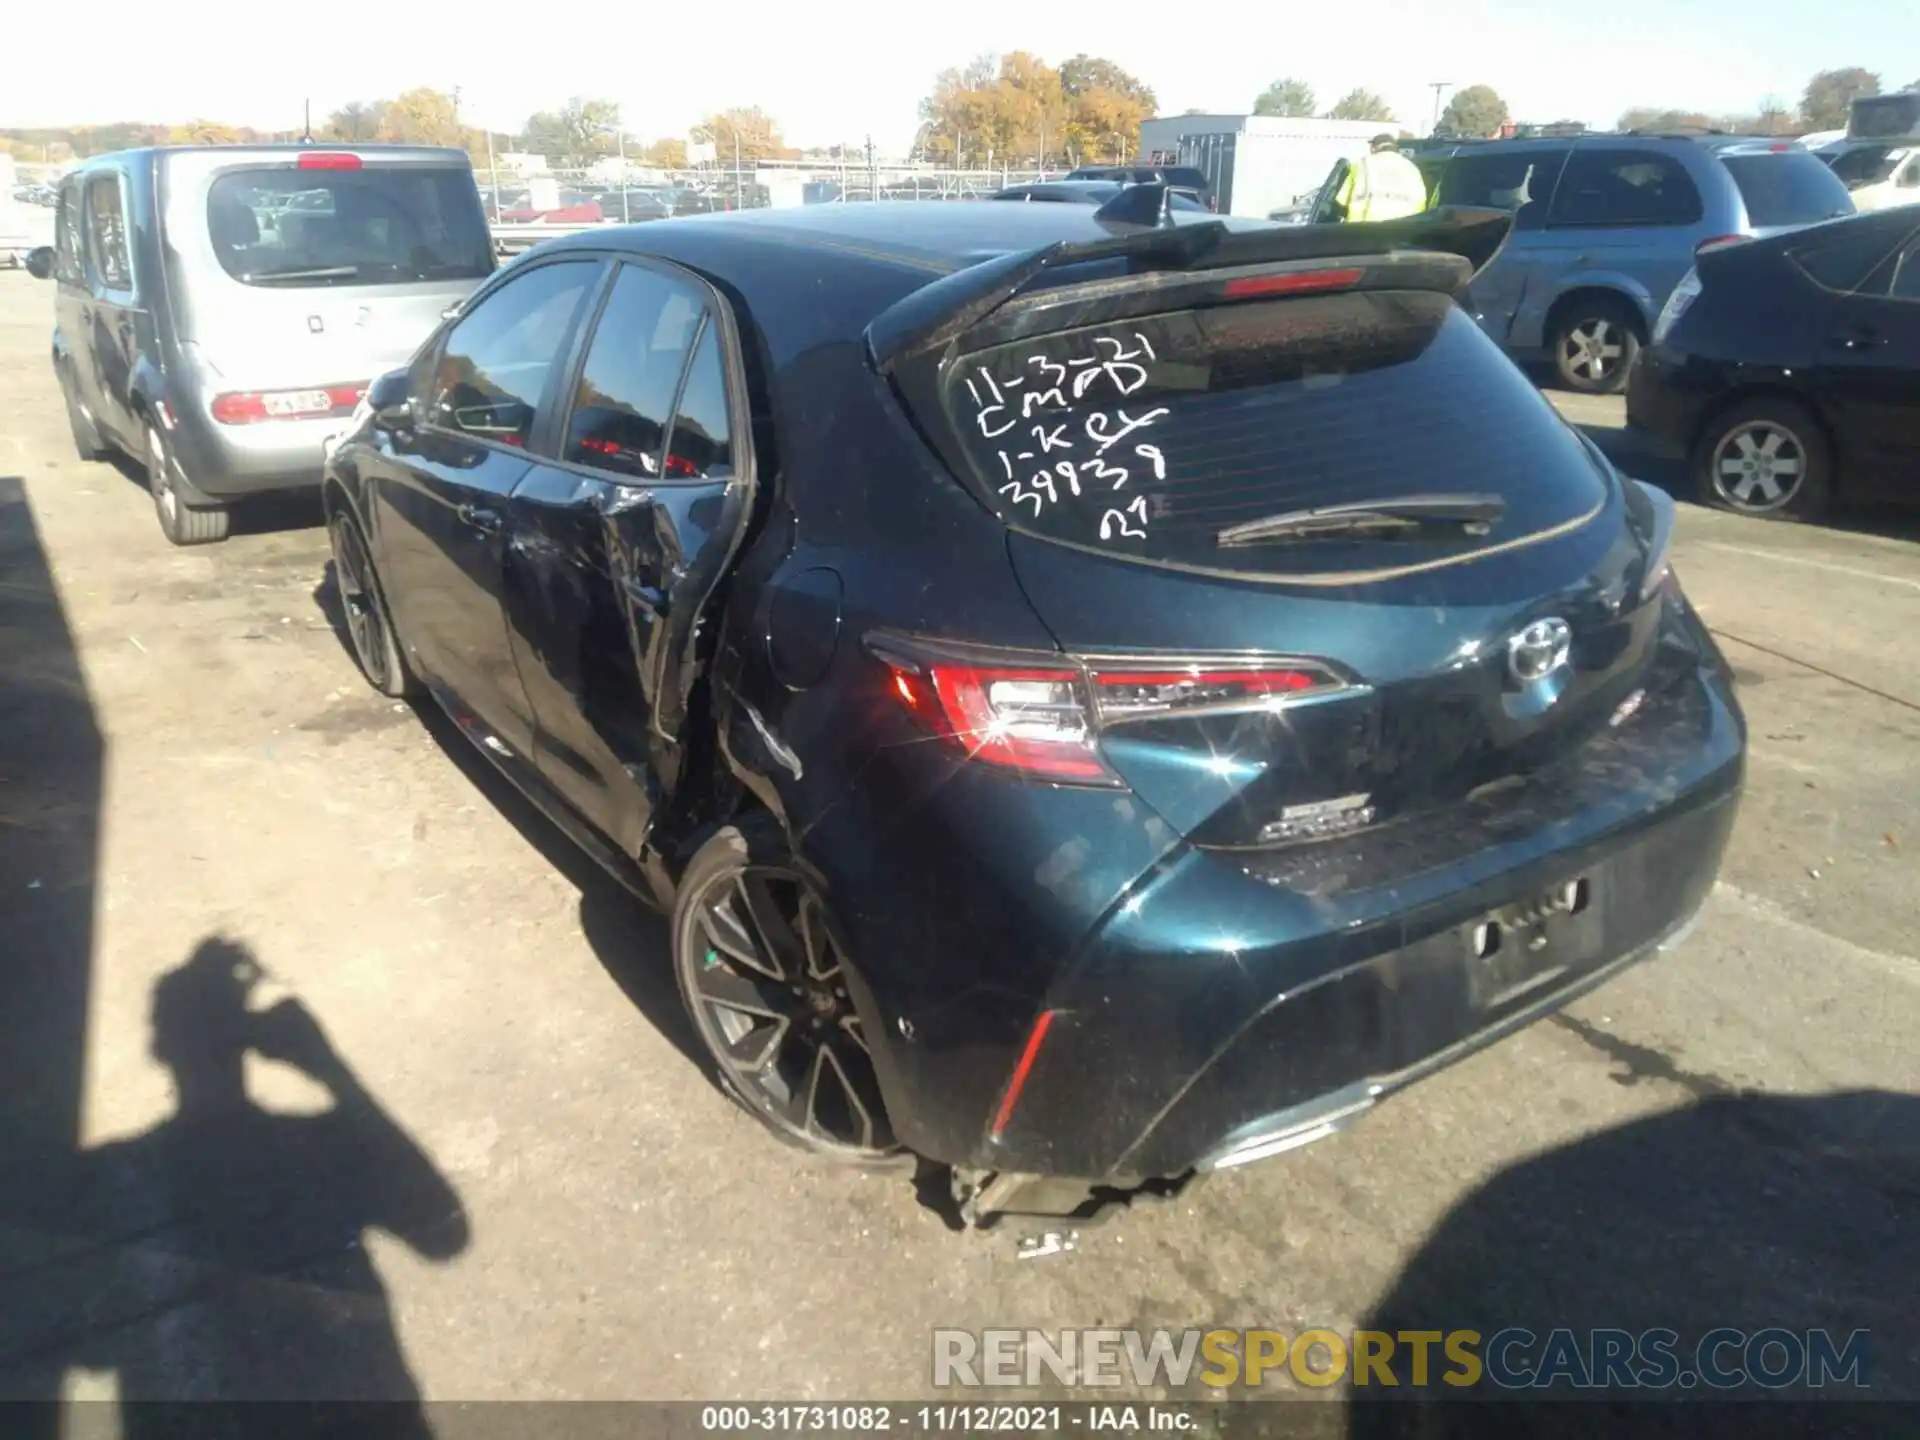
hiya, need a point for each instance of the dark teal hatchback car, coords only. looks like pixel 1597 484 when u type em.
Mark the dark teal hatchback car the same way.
pixel 1105 695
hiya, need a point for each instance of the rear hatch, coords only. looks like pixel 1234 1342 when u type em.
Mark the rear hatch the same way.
pixel 294 269
pixel 1325 476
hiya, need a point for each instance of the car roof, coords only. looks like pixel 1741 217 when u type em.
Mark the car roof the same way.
pixel 818 274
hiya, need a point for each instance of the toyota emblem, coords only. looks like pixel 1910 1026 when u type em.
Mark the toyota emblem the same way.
pixel 1539 650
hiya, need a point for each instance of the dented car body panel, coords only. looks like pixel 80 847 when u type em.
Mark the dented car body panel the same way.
pixel 1216 918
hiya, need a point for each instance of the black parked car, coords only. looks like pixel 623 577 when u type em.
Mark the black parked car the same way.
pixel 1083 192
pixel 1787 371
pixel 1075 739
pixel 1188 178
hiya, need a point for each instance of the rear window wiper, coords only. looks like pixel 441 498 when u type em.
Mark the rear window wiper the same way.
pixel 328 272
pixel 1471 514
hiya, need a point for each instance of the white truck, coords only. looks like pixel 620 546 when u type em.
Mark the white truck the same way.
pixel 1879 159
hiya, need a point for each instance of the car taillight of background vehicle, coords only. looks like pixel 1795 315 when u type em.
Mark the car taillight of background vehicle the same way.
pixel 1684 294
pixel 250 407
pixel 1046 721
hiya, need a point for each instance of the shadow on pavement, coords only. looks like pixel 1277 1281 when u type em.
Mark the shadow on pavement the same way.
pixel 51 762
pixel 220 1254
pixel 1741 1210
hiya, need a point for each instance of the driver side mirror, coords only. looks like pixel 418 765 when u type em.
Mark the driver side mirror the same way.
pixel 391 401
pixel 40 262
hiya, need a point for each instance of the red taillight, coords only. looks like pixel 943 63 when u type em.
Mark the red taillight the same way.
pixel 1720 242
pixel 1294 282
pixel 249 407
pixel 1044 721
pixel 328 160
pixel 1035 1039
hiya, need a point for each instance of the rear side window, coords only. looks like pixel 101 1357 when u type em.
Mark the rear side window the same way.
pixel 1789 188
pixel 382 225
pixel 1625 187
pixel 1841 257
pixel 107 233
pixel 702 447
pixel 1906 282
pixel 1515 181
pixel 495 368
pixel 1150 437
pixel 626 391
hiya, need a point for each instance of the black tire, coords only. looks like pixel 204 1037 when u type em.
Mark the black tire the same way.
pixel 86 439
pixel 762 973
pixel 1767 457
pixel 1595 343
pixel 370 634
pixel 180 522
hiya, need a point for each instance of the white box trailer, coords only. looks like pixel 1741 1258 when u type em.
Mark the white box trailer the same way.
pixel 1258 164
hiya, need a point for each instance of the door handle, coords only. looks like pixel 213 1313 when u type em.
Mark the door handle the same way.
pixel 486 521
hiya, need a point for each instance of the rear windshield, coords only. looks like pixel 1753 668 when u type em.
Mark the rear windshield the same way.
pixel 383 225
pixel 1792 187
pixel 1869 165
pixel 1149 437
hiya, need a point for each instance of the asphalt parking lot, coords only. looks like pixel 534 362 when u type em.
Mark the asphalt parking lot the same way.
pixel 492 1171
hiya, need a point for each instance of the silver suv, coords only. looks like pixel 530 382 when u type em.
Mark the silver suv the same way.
pixel 222 310
pixel 1607 225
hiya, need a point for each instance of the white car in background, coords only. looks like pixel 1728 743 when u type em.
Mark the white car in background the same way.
pixel 1879 174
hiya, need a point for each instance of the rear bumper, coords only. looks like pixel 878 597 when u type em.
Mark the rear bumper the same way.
pixel 1663 417
pixel 224 462
pixel 1242 1003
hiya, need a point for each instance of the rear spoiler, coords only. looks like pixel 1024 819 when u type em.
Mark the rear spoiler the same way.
pixel 1158 242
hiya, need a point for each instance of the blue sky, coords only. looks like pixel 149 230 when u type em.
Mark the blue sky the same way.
pixel 839 73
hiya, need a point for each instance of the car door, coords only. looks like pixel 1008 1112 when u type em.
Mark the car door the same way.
pixel 1622 219
pixel 440 491
pixel 618 540
pixel 104 345
pixel 1869 377
pixel 71 295
pixel 1523 181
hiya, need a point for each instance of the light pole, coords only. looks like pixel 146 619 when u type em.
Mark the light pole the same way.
pixel 1437 86
pixel 620 138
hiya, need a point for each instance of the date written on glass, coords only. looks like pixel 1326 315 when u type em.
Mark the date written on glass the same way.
pixel 1048 458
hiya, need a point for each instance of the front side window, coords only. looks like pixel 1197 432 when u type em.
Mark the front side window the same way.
pixel 381 225
pixel 494 369
pixel 1625 187
pixel 627 388
pixel 107 233
pixel 66 234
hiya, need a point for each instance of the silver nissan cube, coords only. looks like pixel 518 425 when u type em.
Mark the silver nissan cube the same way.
pixel 221 310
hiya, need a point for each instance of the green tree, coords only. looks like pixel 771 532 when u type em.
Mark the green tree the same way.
pixel 1473 112
pixel 1286 97
pixel 575 133
pixel 1360 104
pixel 1831 93
pixel 666 154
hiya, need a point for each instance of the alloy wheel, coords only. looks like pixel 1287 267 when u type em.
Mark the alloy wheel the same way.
pixel 1593 350
pixel 770 997
pixel 1758 466
pixel 366 623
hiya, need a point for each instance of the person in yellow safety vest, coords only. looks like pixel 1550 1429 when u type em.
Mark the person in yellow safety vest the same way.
pixel 1382 185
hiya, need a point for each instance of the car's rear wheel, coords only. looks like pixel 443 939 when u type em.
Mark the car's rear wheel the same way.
pixel 180 522
pixel 86 439
pixel 767 984
pixel 1767 458
pixel 369 628
pixel 1595 343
